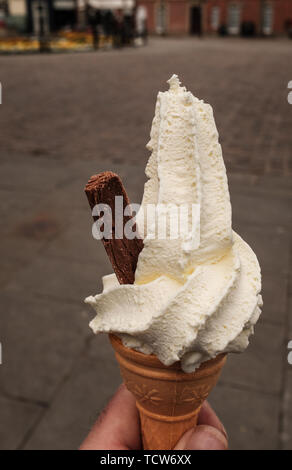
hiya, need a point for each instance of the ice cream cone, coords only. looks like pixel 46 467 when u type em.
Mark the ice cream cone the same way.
pixel 168 399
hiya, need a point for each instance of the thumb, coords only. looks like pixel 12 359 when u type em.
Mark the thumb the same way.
pixel 202 437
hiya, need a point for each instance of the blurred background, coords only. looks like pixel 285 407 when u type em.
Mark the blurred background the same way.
pixel 58 25
pixel 65 116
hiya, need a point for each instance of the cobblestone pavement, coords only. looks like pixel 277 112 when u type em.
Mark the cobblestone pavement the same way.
pixel 65 117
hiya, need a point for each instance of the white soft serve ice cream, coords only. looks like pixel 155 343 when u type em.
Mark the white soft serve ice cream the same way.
pixel 193 297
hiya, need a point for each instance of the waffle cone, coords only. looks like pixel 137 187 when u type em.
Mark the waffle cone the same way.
pixel 168 399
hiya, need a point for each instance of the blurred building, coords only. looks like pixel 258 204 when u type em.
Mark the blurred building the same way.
pixel 103 5
pixel 232 17
pixel 27 15
pixel 16 14
pixel 226 17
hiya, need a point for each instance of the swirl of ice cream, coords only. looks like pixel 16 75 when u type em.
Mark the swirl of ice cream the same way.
pixel 196 295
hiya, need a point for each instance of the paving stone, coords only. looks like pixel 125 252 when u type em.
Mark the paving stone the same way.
pixel 17 418
pixel 15 207
pixel 26 232
pixel 77 242
pixel 260 366
pixel 274 292
pixel 267 211
pixel 250 418
pixel 286 437
pixel 270 185
pixel 290 315
pixel 31 177
pixel 271 247
pixel 48 136
pixel 91 384
pixel 40 339
pixel 20 250
pixel 7 273
pixel 62 279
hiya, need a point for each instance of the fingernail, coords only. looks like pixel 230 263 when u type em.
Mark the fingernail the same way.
pixel 207 438
pixel 224 432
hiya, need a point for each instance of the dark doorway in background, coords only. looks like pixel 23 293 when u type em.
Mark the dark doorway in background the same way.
pixel 195 21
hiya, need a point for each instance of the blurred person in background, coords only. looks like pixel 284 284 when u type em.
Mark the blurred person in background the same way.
pixel 288 27
pixel 118 28
pixel 2 23
pixel 129 27
pixel 141 25
pixel 107 24
pixel 94 20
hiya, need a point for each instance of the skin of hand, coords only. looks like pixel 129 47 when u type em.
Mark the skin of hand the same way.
pixel 117 428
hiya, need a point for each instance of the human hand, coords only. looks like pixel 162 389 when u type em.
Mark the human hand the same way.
pixel 118 428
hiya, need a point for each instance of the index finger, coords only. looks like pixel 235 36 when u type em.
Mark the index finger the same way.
pixel 118 425
pixel 208 416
